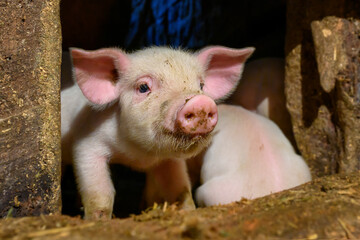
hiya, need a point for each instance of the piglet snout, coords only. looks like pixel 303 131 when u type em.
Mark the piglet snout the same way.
pixel 198 115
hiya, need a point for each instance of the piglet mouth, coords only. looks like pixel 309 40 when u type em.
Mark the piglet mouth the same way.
pixel 199 140
pixel 192 143
pixel 178 133
pixel 180 142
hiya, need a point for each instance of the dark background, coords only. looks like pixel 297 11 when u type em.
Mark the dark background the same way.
pixel 93 24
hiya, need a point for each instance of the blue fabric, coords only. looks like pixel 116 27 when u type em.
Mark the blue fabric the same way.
pixel 177 23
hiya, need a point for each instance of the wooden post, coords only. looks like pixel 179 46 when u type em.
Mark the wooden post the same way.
pixel 30 57
pixel 322 82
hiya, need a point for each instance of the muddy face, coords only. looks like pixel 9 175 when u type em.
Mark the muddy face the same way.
pixel 158 130
pixel 161 110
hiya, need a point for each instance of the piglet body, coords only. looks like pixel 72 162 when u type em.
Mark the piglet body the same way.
pixel 149 110
pixel 262 90
pixel 249 157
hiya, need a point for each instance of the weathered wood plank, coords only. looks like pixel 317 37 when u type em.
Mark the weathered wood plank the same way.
pixel 30 53
pixel 322 82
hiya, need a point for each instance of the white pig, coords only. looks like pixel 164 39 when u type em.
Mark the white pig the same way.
pixel 249 157
pixel 149 110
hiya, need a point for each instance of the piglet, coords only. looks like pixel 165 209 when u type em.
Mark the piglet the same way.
pixel 149 110
pixel 249 157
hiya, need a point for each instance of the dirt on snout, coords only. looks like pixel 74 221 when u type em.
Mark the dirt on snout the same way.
pixel 327 208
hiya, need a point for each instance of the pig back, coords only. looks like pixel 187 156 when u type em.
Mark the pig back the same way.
pixel 248 139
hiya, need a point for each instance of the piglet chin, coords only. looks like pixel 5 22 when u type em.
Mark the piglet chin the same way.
pixel 191 145
pixel 180 145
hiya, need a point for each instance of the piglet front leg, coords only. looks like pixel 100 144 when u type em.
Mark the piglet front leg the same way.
pixel 168 181
pixel 94 182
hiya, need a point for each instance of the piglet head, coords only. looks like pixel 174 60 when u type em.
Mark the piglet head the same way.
pixel 166 96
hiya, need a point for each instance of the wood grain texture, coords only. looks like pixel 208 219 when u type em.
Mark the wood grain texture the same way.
pixel 30 56
pixel 322 82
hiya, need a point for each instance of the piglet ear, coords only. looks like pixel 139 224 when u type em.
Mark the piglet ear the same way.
pixel 224 67
pixel 97 72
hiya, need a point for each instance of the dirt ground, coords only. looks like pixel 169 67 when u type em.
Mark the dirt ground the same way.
pixel 328 207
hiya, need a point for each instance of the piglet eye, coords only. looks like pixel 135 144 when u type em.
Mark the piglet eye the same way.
pixel 143 88
pixel 201 86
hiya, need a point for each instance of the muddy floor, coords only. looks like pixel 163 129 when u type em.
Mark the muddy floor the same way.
pixel 325 208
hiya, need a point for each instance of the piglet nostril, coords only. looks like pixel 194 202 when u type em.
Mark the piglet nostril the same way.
pixel 189 116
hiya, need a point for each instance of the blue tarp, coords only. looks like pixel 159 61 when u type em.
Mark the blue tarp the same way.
pixel 176 23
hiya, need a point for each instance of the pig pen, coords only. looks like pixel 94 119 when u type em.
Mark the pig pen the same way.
pixel 321 86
